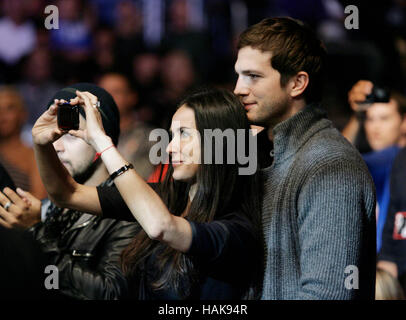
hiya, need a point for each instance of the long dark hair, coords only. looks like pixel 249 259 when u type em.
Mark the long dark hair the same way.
pixel 220 190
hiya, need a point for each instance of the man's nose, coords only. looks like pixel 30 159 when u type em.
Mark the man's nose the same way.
pixel 58 145
pixel 240 89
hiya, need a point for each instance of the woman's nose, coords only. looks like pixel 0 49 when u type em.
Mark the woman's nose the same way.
pixel 173 146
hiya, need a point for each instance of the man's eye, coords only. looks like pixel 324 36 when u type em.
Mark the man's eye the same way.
pixel 253 76
pixel 69 136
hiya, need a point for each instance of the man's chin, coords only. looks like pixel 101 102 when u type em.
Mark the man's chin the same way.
pixel 254 119
pixel 68 167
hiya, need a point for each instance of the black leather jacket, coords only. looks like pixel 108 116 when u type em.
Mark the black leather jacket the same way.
pixel 87 256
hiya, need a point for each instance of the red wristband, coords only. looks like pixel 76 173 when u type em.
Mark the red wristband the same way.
pixel 98 154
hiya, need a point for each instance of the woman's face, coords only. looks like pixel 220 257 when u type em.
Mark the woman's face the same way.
pixel 184 147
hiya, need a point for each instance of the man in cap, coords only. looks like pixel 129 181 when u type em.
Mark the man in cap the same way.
pixel 86 249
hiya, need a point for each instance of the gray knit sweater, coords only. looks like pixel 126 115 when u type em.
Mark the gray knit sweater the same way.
pixel 318 214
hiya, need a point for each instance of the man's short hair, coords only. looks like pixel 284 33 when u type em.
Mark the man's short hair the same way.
pixel 294 47
pixel 400 100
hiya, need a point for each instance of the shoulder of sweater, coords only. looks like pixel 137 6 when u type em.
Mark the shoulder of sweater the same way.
pixel 328 145
pixel 329 152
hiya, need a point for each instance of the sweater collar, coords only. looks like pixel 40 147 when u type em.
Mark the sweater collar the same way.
pixel 291 134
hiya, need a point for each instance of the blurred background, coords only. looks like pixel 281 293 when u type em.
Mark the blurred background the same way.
pixel 165 47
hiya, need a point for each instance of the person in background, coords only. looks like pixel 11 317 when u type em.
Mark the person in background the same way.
pixel 392 256
pixel 72 42
pixel 387 286
pixel 385 130
pixel 355 128
pixel 134 142
pixel 18 37
pixel 178 76
pixel 146 68
pixel 15 156
pixel 36 87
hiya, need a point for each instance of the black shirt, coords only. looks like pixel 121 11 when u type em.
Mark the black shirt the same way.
pixel 5 180
pixel 227 253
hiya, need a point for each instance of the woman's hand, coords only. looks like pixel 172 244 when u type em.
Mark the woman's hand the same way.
pixel 24 211
pixel 94 133
pixel 45 130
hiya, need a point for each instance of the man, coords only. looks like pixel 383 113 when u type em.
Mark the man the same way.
pixel 319 199
pixel 392 256
pixel 86 249
pixel 383 123
pixel 16 157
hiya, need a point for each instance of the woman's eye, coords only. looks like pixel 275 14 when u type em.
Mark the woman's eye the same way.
pixel 184 133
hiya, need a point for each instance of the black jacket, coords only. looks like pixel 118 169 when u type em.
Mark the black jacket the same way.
pixel 87 256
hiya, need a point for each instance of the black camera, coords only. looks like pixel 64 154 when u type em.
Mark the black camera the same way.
pixel 378 94
pixel 68 116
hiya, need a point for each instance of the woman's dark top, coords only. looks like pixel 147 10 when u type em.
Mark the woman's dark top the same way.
pixel 5 179
pixel 227 253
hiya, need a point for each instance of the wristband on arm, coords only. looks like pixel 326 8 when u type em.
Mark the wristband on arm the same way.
pixel 98 154
pixel 120 171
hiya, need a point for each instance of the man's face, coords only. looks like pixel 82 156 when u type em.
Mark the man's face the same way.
pixel 382 125
pixel 75 154
pixel 259 88
pixel 118 87
pixel 12 116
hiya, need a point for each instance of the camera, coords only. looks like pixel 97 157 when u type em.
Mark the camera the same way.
pixel 68 116
pixel 378 94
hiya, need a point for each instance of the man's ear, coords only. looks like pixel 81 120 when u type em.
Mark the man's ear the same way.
pixel 298 83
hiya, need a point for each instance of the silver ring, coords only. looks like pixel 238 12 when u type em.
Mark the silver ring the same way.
pixel 7 205
pixel 96 105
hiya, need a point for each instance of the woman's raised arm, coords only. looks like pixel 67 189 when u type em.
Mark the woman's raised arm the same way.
pixel 62 189
pixel 144 203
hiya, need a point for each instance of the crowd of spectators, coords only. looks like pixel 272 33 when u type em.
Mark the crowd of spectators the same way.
pixel 166 47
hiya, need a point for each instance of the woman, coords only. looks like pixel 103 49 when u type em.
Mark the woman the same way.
pixel 201 235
